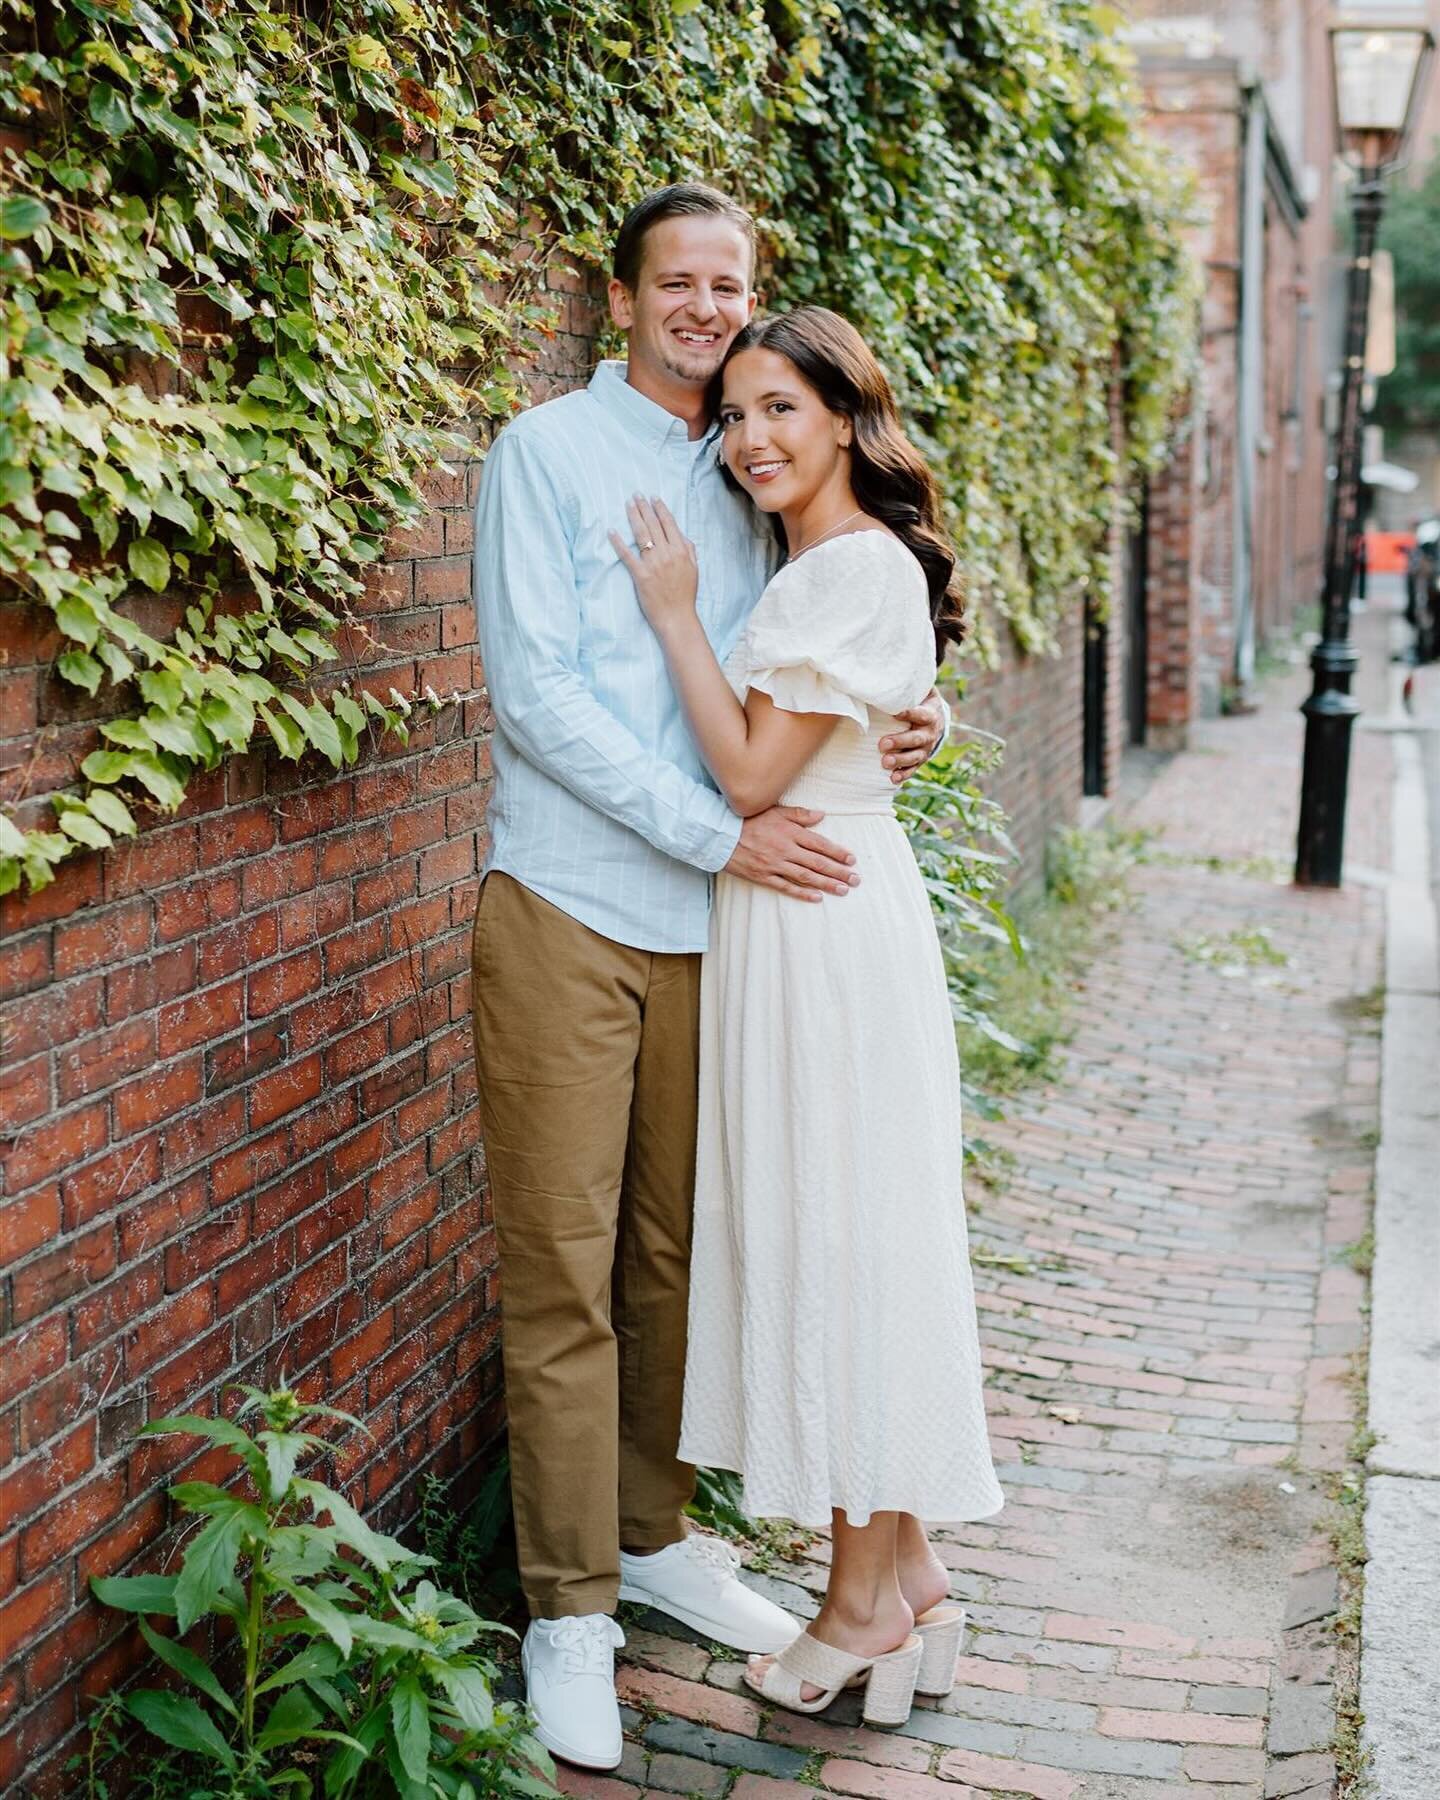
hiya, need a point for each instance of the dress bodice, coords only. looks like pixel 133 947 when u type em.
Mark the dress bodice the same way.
pixel 844 628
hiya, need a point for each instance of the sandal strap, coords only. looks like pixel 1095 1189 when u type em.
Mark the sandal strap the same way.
pixel 820 1664
pixel 784 1688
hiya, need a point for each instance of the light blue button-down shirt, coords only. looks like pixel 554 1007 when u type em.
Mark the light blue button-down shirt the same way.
pixel 601 803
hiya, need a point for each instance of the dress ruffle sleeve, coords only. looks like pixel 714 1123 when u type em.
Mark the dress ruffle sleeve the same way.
pixel 843 629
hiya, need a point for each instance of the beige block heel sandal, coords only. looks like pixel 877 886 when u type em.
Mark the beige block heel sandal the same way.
pixel 889 1680
pixel 939 1631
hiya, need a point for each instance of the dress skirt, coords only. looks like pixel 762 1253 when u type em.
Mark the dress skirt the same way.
pixel 833 1358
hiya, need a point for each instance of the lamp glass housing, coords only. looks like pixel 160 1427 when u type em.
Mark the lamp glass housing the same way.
pixel 1376 67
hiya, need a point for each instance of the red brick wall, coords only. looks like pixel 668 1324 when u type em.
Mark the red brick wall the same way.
pixel 237 1132
pixel 1036 704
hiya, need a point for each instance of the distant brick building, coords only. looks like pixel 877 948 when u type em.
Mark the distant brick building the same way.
pixel 1236 522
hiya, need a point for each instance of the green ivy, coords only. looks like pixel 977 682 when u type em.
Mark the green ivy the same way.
pixel 257 281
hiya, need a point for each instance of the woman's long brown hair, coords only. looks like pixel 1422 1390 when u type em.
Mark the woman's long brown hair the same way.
pixel 890 478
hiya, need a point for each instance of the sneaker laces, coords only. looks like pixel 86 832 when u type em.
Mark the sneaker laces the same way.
pixel 720 1561
pixel 586 1645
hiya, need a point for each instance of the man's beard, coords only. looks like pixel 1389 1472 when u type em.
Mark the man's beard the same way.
pixel 699 366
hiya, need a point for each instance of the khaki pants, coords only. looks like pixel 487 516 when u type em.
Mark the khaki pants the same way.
pixel 586 1053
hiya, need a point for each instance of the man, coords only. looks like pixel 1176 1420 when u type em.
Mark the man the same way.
pixel 604 831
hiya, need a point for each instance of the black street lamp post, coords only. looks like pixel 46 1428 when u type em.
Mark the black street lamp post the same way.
pixel 1378 73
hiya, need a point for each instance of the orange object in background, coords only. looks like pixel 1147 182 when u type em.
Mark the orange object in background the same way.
pixel 1386 551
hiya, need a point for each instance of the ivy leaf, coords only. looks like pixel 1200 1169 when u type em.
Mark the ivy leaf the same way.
pixel 251 537
pixel 108 111
pixel 81 668
pixel 112 812
pixel 324 734
pixel 75 822
pixel 289 738
pixel 21 216
pixel 156 779
pixel 179 1721
pixel 370 53
pixel 106 765
pixel 77 618
pixel 119 665
pixel 149 562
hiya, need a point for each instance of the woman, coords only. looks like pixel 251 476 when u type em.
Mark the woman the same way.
pixel 833 1358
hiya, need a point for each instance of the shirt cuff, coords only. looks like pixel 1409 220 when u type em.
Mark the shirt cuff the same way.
pixel 719 845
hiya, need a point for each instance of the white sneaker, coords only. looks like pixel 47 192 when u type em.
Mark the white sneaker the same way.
pixel 569 1669
pixel 695 1581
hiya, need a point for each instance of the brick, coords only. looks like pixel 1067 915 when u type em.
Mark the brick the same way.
pixel 844 1777
pixel 33 1609
pixel 170 1328
pixel 688 1700
pixel 40 1478
pixel 854 1743
pixel 238 947
pixel 1206 1762
pixel 242 832
pixel 80 1515
pixel 1178 1728
pixel 254 1272
pixel 48 1280
pixel 26 964
pixel 157 1096
pixel 730 1749
pixel 248 1054
pixel 1195 1668
pixel 765 1787
pixel 282 984
pixel 281 1092
pixel 1130 1634
pixel 97 1063
pixel 101 1314
pixel 46 1150
pixel 202 1017
pixel 112 935
pixel 1007 1775
pixel 27 1223
pixel 24 1093
pixel 140 986
pixel 161 1216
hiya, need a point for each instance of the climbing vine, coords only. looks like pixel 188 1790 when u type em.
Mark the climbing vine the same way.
pixel 258 278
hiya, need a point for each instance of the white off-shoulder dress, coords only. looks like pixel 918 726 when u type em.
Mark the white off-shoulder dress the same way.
pixel 833 1358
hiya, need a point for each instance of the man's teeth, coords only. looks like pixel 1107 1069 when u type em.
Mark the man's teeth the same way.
pixel 697 337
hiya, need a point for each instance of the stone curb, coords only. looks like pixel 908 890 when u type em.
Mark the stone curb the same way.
pixel 1400 1629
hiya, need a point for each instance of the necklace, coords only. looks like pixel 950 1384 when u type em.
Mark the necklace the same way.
pixel 829 531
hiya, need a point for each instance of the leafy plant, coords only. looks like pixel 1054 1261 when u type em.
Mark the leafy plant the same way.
pixel 957 833
pixel 354 1669
pixel 473 1553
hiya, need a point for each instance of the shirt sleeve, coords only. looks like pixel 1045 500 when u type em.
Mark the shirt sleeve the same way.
pixel 841 630
pixel 528 615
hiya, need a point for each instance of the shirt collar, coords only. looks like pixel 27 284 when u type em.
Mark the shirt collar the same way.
pixel 639 413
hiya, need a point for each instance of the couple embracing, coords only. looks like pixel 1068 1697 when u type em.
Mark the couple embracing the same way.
pixel 712 590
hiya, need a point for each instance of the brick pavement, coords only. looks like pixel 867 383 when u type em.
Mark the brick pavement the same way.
pixel 1167 1340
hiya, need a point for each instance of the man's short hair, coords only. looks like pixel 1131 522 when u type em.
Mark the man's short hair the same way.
pixel 682 199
